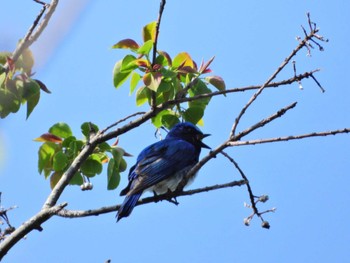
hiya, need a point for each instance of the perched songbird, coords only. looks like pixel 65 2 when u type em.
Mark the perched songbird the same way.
pixel 161 166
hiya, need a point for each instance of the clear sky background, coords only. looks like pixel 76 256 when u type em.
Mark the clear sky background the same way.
pixel 307 181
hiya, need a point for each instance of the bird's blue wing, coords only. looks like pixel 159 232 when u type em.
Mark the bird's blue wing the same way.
pixel 160 161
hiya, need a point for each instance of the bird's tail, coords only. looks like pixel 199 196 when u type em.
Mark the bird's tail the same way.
pixel 128 205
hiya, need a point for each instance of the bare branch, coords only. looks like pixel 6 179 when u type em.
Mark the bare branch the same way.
pixel 263 122
pixel 253 198
pixel 33 223
pixel 167 196
pixel 155 44
pixel 32 35
pixel 287 138
pixel 303 43
pixel 122 120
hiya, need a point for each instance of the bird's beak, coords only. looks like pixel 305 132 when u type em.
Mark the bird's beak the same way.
pixel 202 136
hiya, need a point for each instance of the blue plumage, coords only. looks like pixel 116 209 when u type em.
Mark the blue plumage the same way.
pixel 161 166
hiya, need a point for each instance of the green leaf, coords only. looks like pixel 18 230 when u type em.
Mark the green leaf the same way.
pixel 123 165
pixel 113 175
pixel 8 102
pixel 75 147
pixel 61 130
pixel 2 79
pixel 92 165
pixel 54 178
pixel 25 62
pixel 67 141
pixel 193 114
pixel 45 154
pixel 169 120
pixel 88 127
pixel 126 44
pixel 3 56
pixel 135 78
pixel 157 120
pixel 217 82
pixel 199 88
pixel 149 32
pixel 104 146
pixel 128 64
pixel 119 77
pixel 142 95
pixel 145 48
pixel 31 93
pixel 60 161
pixel 77 179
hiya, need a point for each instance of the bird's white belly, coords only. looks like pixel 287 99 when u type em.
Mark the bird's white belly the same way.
pixel 171 183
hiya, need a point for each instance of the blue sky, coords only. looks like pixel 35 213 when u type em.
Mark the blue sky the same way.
pixel 307 181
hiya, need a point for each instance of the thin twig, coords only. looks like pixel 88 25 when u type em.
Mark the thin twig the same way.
pixel 122 120
pixel 155 44
pixel 180 98
pixel 302 44
pixel 288 138
pixel 250 191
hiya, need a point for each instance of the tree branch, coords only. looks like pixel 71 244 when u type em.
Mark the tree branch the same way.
pixel 155 44
pixel 32 35
pixel 288 138
pixel 167 196
pixel 303 43
pixel 33 223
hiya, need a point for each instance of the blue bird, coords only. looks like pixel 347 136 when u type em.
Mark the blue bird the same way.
pixel 161 166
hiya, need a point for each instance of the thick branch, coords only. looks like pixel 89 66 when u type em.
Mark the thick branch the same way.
pixel 33 223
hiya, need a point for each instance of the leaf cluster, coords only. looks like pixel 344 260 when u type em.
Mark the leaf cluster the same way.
pixel 16 85
pixel 60 147
pixel 164 78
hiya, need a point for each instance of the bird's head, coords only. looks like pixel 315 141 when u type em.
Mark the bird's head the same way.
pixel 188 132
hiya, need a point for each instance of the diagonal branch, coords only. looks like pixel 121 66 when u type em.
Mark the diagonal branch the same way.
pixel 212 154
pixel 302 44
pixel 32 35
pixel 263 122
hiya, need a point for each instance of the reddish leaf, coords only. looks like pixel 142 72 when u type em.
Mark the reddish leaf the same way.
pixel 186 69
pixel 157 67
pixel 142 63
pixel 152 80
pixel 48 137
pixel 11 63
pixel 167 57
pixel 204 67
pixel 42 86
pixel 116 142
pixel 126 44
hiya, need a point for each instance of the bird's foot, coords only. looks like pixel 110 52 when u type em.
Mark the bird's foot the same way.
pixel 172 199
